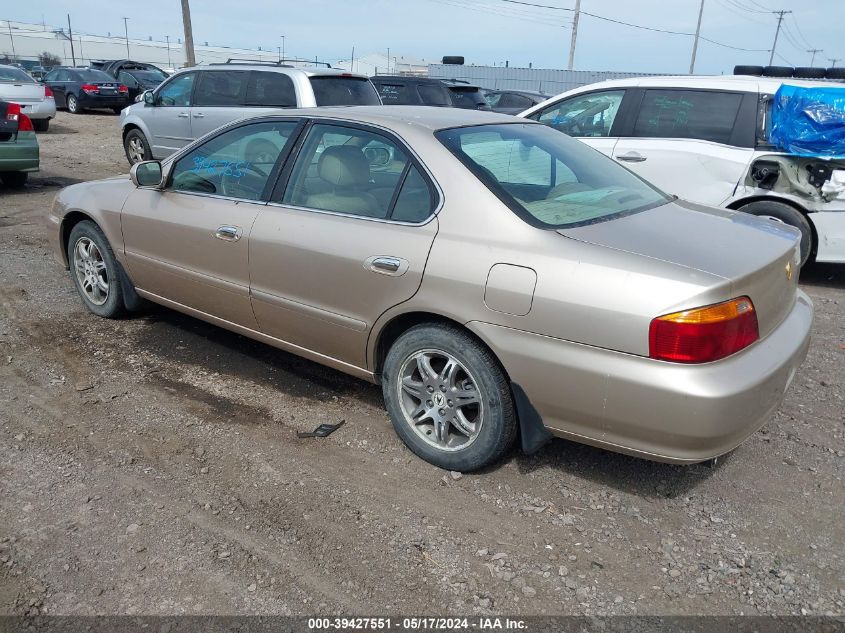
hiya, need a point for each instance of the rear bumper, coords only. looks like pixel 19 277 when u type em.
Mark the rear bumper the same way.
pixel 42 110
pixel 96 101
pixel 21 155
pixel 653 409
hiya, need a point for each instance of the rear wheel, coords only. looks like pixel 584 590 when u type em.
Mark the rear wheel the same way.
pixel 14 179
pixel 73 105
pixel 94 270
pixel 136 147
pixel 117 109
pixel 448 399
pixel 780 212
pixel 41 125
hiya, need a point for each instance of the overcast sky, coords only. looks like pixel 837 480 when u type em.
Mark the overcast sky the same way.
pixel 484 31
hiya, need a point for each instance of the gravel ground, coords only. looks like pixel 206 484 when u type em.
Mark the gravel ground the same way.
pixel 151 466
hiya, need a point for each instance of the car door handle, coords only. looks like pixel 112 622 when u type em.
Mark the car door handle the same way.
pixel 631 157
pixel 199 115
pixel 228 233
pixel 183 115
pixel 386 265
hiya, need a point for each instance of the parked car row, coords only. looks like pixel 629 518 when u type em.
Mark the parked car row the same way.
pixel 19 151
pixel 35 100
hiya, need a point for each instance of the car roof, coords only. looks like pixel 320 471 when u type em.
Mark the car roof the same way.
pixel 308 71
pixel 398 117
pixel 408 79
pixel 742 83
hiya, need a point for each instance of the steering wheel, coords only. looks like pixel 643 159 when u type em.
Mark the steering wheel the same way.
pixel 243 181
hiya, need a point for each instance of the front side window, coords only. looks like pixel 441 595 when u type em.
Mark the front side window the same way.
pixel 270 90
pixel 236 164
pixel 698 114
pixel 355 172
pixel 332 90
pixel 177 92
pixel 220 88
pixel 126 79
pixel 587 115
pixel 549 179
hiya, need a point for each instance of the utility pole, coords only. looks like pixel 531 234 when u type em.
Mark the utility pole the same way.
pixel 780 15
pixel 388 60
pixel 283 47
pixel 833 61
pixel 169 65
pixel 190 58
pixel 11 37
pixel 814 51
pixel 352 61
pixel 695 41
pixel 574 35
pixel 279 50
pixel 70 36
pixel 126 32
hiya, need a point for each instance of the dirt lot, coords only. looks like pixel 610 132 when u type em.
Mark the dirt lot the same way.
pixel 150 465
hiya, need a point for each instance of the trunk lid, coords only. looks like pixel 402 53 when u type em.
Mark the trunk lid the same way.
pixel 756 257
pixel 21 92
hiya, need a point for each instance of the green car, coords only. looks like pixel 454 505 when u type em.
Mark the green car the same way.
pixel 19 153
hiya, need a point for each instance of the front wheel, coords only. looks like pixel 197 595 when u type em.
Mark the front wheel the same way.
pixel 73 105
pixel 781 212
pixel 94 270
pixel 448 398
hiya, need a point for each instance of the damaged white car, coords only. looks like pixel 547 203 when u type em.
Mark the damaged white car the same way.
pixel 725 141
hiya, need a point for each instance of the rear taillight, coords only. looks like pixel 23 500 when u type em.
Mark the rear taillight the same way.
pixel 704 334
pixel 123 89
pixel 89 88
pixel 24 124
pixel 13 112
pixel 48 94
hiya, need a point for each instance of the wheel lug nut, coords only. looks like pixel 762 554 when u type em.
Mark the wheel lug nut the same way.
pixel 429 403
pixel 442 412
pixel 443 388
pixel 450 402
pixel 430 389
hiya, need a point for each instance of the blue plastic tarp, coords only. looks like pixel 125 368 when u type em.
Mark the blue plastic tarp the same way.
pixel 809 121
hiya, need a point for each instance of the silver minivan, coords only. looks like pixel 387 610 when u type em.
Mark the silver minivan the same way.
pixel 197 100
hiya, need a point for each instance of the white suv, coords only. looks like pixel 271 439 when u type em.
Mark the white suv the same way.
pixel 197 100
pixel 705 139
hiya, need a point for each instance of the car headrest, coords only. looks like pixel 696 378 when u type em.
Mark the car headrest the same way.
pixel 344 166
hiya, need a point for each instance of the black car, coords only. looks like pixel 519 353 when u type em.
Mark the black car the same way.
pixel 78 89
pixel 138 79
pixel 402 90
pixel 513 101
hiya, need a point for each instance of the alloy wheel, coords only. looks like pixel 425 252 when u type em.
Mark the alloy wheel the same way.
pixel 135 149
pixel 91 271
pixel 440 399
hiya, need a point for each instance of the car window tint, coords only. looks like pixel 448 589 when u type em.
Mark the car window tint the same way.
pixel 236 163
pixel 270 89
pixel 346 170
pixel 705 115
pixel 126 79
pixel 414 202
pixel 586 115
pixel 511 100
pixel 435 95
pixel 177 92
pixel 548 178
pixel 394 94
pixel 220 88
pixel 53 75
pixel 331 90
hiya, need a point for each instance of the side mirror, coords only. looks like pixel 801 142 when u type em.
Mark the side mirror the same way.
pixel 147 173
pixel 149 97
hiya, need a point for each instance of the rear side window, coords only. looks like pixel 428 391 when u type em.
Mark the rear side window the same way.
pixel 511 100
pixel 698 114
pixel 220 88
pixel 433 95
pixel 467 98
pixel 395 94
pixel 270 89
pixel 414 202
pixel 330 90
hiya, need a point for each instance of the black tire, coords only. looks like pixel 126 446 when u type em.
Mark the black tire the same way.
pixel 755 71
pixel 14 179
pixel 41 125
pixel 136 135
pixel 835 73
pixel 117 109
pixel 778 71
pixel 498 426
pixel 809 72
pixel 113 306
pixel 788 215
pixel 73 105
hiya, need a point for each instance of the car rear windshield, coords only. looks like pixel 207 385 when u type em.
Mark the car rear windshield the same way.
pixel 148 75
pixel 468 97
pixel 548 178
pixel 333 91
pixel 14 75
pixel 95 75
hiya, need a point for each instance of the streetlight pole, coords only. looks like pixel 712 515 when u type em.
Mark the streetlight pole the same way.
pixel 126 33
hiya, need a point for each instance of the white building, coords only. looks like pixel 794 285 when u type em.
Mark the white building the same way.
pixel 380 64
